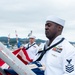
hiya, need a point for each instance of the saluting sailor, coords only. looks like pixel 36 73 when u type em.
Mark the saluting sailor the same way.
pixel 60 59
pixel 32 48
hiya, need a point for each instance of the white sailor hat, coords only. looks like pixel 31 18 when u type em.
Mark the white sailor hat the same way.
pixel 56 20
pixel 32 36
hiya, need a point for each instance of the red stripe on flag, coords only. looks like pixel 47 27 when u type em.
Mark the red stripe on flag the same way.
pixel 22 54
pixel 1 62
pixel 27 56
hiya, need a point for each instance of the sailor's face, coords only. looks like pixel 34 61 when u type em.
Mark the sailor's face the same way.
pixel 50 29
pixel 31 40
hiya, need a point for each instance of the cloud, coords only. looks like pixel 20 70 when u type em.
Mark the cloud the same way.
pixel 27 15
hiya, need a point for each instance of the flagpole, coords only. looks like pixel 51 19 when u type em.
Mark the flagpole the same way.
pixel 16 36
pixel 8 41
pixel 17 40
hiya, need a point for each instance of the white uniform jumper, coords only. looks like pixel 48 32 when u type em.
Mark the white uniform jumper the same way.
pixel 60 60
pixel 32 51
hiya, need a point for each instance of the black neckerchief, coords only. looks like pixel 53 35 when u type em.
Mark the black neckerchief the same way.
pixel 45 50
pixel 30 46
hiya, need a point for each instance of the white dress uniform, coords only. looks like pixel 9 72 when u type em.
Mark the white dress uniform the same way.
pixel 60 60
pixel 33 50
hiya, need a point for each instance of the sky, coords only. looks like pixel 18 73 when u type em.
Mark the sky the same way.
pixel 26 15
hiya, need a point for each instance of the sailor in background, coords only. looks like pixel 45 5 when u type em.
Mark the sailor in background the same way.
pixel 60 59
pixel 32 48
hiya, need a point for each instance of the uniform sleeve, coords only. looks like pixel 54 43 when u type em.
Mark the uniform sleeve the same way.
pixel 69 63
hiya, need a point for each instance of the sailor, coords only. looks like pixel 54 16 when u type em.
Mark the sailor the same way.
pixel 31 47
pixel 59 55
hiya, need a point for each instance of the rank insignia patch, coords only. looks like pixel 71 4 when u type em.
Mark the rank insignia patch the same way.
pixel 69 67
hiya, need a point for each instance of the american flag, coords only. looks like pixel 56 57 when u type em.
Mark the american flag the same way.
pixel 21 53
